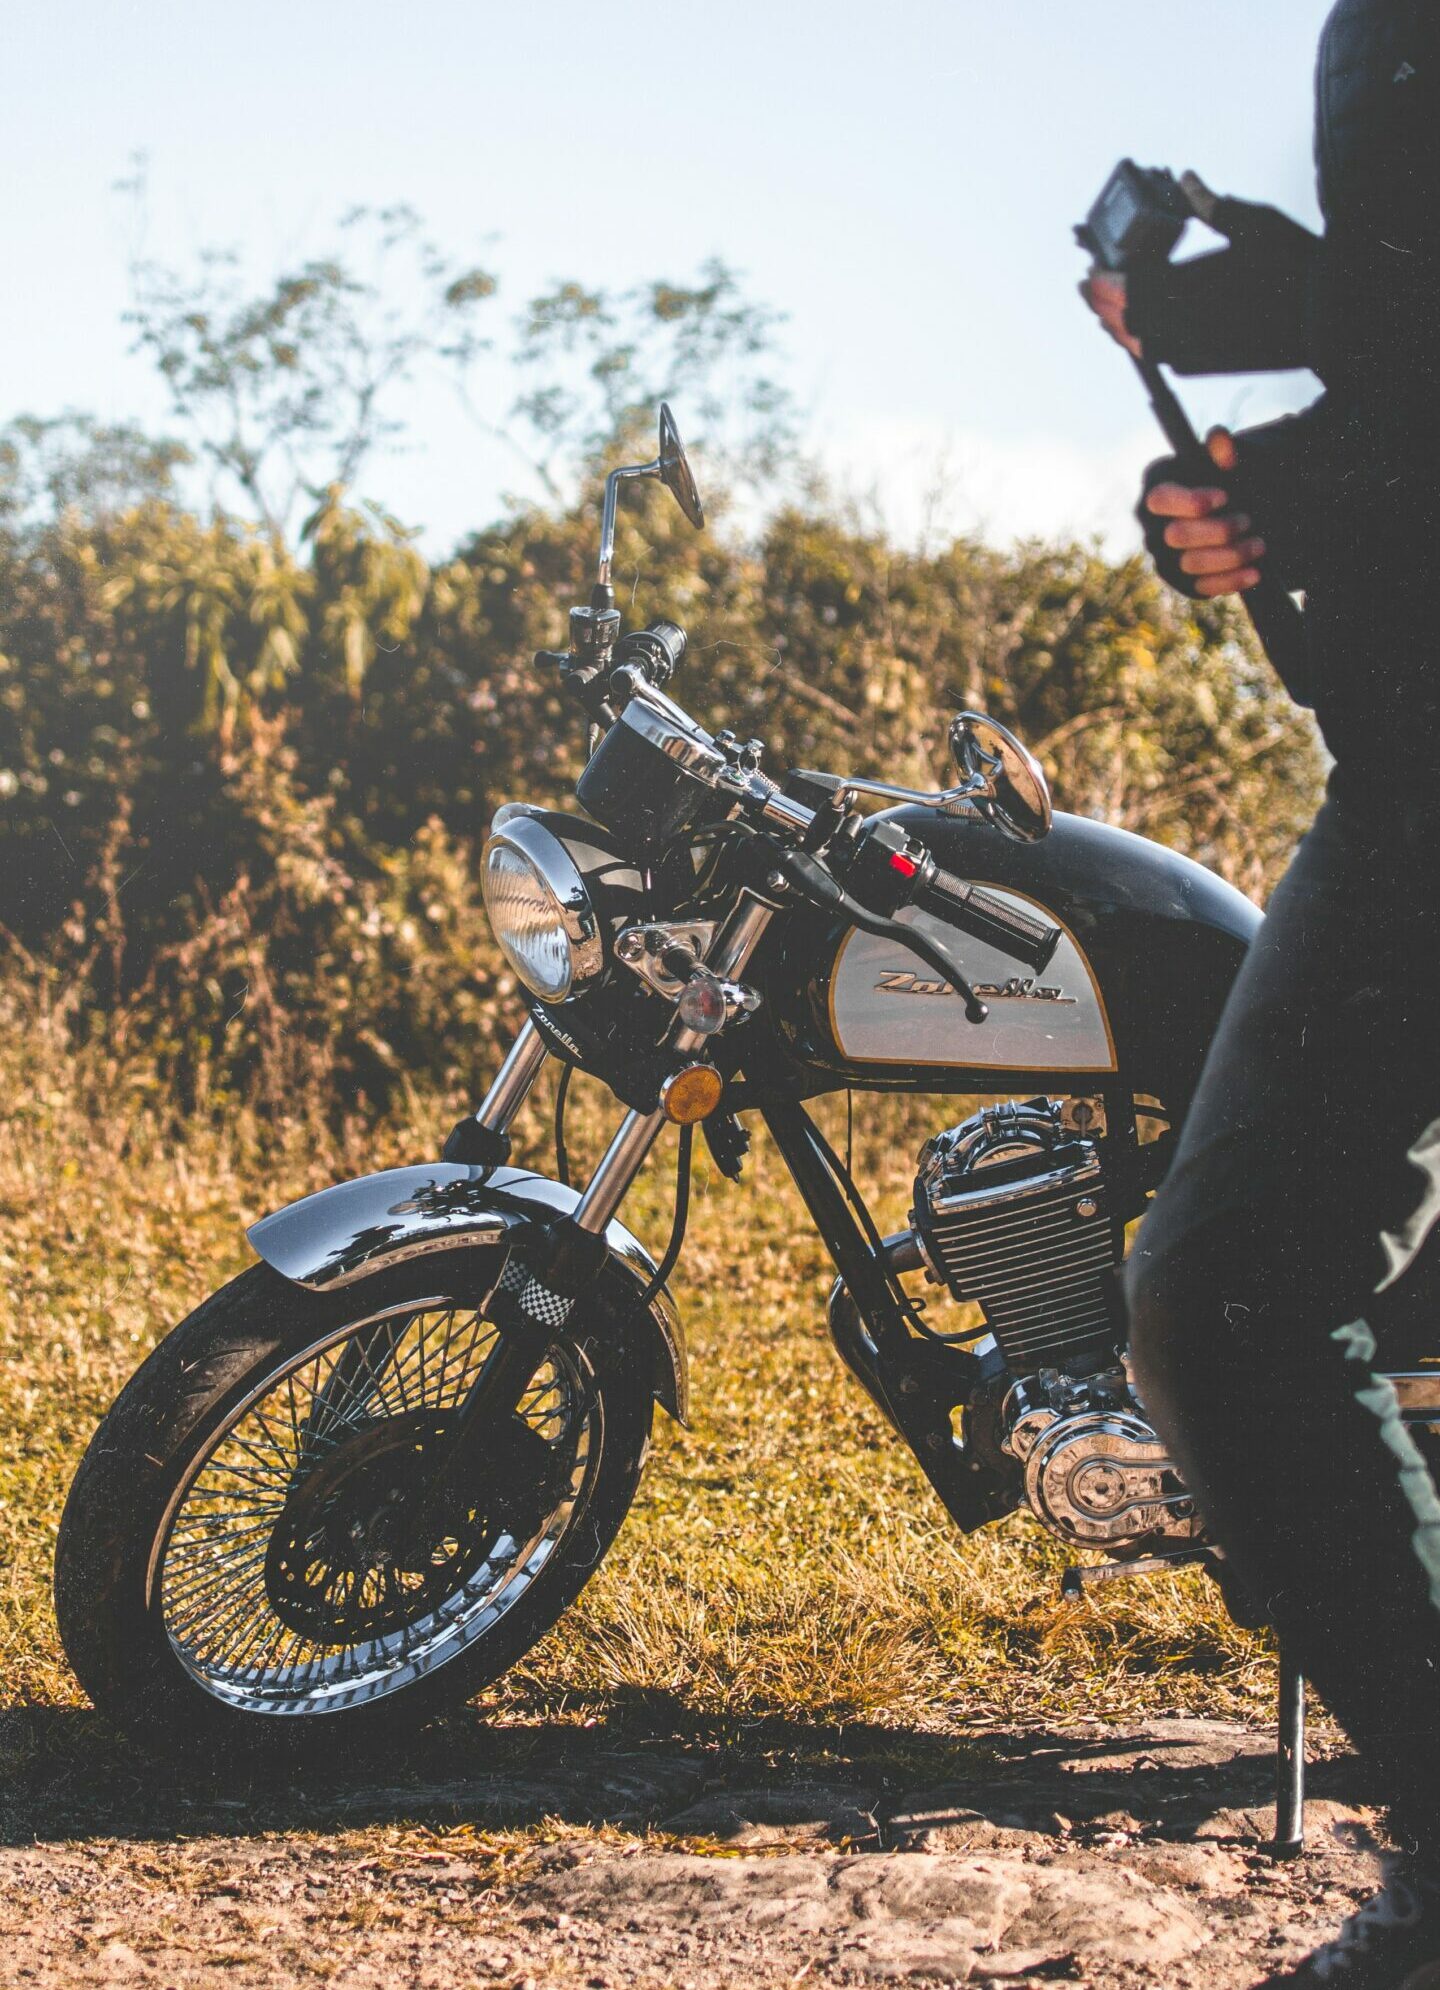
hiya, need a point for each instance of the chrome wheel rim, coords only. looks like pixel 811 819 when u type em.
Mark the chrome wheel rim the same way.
pixel 208 1575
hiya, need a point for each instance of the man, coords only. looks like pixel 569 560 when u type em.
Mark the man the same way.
pixel 1292 1251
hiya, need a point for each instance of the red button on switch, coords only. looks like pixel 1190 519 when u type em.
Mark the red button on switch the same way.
pixel 906 866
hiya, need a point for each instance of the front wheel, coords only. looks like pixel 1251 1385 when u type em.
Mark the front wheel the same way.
pixel 234 1569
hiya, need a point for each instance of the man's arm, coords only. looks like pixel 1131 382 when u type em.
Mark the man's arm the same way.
pixel 1247 308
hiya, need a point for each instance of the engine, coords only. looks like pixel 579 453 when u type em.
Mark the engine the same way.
pixel 1012 1211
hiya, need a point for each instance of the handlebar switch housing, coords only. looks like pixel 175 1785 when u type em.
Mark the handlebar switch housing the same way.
pixel 887 869
pixel 656 651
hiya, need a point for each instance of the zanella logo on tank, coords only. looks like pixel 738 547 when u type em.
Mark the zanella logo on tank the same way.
pixel 896 981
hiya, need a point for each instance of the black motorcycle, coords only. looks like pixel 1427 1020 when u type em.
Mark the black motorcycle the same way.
pixel 360 1481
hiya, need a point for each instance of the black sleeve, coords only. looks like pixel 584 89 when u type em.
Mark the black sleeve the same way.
pixel 1248 308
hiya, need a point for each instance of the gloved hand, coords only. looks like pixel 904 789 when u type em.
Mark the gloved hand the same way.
pixel 1243 309
pixel 1200 541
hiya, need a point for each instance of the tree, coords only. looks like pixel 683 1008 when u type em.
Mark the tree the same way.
pixel 596 364
pixel 73 462
pixel 289 389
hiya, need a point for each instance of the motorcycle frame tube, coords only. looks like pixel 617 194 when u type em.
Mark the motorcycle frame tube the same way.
pixel 865 1277
pixel 969 1497
pixel 513 1081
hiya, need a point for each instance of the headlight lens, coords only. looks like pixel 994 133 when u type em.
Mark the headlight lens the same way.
pixel 540 911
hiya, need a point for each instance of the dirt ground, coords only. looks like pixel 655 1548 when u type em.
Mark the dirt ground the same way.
pixel 629 1854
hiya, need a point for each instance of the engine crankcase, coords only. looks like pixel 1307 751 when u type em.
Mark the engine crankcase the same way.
pixel 1101 1478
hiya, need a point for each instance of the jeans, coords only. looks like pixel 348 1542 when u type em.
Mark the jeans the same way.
pixel 1256 1323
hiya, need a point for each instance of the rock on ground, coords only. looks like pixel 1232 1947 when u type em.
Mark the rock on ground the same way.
pixel 1107 1858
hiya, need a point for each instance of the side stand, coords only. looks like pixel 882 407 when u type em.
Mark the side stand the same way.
pixel 1289 1839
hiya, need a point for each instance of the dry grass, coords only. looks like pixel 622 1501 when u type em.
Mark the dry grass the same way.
pixel 785 1559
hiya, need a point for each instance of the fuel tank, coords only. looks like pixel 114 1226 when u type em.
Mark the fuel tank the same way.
pixel 1149 943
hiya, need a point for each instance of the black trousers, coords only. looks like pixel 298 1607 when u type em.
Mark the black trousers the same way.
pixel 1256 1323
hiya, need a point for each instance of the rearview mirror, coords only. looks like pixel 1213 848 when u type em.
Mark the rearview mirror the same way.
pixel 1012 790
pixel 672 467
pixel 675 472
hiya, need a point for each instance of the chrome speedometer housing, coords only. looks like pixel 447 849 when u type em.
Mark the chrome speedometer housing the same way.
pixel 540 909
pixel 654 774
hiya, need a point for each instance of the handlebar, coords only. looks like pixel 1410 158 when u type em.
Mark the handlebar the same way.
pixel 992 920
pixel 804 874
pixel 655 650
pixel 636 666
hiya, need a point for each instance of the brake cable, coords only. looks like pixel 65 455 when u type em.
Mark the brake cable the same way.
pixel 809 878
pixel 562 1157
pixel 676 1244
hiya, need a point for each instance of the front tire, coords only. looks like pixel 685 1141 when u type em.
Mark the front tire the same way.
pixel 229 1575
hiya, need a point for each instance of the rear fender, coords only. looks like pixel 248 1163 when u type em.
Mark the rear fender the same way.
pixel 355 1229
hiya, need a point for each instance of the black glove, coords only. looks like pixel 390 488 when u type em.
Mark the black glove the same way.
pixel 1276 482
pixel 1238 512
pixel 1246 309
pixel 1166 470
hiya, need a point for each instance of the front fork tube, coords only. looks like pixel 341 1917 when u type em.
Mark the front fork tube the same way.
pixel 513 1081
pixel 482 1139
pixel 546 1273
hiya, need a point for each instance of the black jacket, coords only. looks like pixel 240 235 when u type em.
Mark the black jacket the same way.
pixel 1347 494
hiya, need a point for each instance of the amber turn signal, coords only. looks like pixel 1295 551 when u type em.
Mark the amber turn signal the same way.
pixel 691 1094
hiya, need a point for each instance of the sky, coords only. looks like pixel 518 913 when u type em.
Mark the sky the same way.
pixel 899 181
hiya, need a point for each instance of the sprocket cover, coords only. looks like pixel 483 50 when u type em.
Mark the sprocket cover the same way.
pixel 1101 1478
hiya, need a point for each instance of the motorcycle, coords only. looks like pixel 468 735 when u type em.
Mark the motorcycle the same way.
pixel 359 1482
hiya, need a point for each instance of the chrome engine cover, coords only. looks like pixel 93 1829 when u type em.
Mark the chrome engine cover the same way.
pixel 1012 1210
pixel 1096 1473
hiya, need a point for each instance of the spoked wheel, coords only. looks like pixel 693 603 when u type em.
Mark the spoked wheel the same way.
pixel 261 1569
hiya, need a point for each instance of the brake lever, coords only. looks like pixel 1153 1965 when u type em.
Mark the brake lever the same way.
pixel 805 874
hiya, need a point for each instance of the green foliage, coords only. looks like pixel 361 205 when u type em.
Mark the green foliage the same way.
pixel 243 788
pixel 289 388
pixel 243 779
pixel 72 461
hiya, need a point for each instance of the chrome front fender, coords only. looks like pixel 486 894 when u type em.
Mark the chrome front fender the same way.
pixel 346 1233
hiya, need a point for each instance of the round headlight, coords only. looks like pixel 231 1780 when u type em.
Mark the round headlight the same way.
pixel 540 911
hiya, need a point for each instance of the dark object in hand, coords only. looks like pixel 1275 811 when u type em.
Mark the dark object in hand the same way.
pixel 1139 217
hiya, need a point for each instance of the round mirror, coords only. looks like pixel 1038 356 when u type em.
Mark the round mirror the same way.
pixel 675 469
pixel 1014 793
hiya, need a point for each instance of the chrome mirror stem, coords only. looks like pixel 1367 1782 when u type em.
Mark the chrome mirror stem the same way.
pixel 607 515
pixel 1001 781
pixel 946 799
pixel 671 467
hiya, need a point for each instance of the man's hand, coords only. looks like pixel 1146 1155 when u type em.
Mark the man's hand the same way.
pixel 1218 553
pixel 1104 292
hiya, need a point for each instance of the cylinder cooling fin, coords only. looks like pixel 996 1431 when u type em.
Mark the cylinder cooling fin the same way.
pixel 1012 1211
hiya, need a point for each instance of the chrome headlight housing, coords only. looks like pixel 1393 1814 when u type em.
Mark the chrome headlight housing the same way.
pixel 540 909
